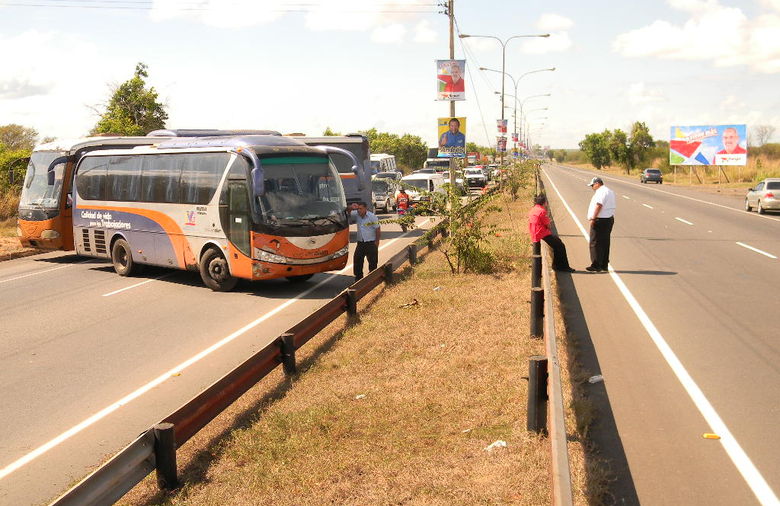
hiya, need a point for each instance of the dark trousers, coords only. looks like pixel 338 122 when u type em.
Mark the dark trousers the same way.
pixel 599 242
pixel 560 258
pixel 364 250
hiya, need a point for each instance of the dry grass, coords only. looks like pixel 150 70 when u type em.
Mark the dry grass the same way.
pixel 396 409
pixel 10 247
pixel 9 203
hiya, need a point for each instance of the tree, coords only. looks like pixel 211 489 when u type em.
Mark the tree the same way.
pixel 409 150
pixel 640 143
pixel 328 131
pixel 560 155
pixel 133 109
pixel 617 143
pixel 596 149
pixel 761 134
pixel 17 137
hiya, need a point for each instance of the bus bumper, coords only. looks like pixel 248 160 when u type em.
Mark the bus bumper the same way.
pixel 266 270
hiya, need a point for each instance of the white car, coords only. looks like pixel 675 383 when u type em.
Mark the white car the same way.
pixel 474 177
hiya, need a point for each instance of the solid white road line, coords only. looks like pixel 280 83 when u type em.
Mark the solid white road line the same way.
pixel 744 465
pixel 739 210
pixel 756 250
pixel 26 459
pixel 647 206
pixel 133 286
pixel 42 272
pixel 682 220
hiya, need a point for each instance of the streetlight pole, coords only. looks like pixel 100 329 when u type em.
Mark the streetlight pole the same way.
pixel 515 83
pixel 503 65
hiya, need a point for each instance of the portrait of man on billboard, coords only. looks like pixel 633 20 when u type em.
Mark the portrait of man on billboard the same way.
pixel 452 137
pixel 449 75
pixel 733 151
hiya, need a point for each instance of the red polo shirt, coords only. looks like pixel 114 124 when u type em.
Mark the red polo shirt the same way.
pixel 538 223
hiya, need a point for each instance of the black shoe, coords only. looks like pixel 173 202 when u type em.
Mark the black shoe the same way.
pixel 564 269
pixel 590 268
pixel 604 269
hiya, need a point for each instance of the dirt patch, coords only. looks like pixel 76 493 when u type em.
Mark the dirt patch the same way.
pixel 10 247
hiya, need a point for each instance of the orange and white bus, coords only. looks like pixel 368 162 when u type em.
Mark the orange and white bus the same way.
pixel 45 207
pixel 252 207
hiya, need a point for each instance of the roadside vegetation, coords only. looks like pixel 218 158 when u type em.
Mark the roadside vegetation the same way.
pixel 413 403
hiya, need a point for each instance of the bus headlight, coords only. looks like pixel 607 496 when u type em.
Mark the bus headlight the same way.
pixel 340 253
pixel 265 256
pixel 50 234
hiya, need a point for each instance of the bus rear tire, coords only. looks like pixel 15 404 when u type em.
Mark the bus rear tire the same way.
pixel 122 258
pixel 299 279
pixel 215 273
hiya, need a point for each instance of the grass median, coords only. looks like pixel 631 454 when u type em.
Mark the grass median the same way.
pixel 410 405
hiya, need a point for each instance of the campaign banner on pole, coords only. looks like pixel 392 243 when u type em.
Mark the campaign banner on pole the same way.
pixel 502 125
pixel 708 145
pixel 501 144
pixel 449 80
pixel 452 137
pixel 514 137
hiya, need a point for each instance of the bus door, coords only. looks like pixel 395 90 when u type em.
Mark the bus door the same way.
pixel 239 224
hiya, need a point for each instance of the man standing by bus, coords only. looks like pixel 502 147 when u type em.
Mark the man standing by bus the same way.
pixel 368 235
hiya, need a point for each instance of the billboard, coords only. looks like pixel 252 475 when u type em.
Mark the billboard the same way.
pixel 501 124
pixel 449 80
pixel 452 137
pixel 708 145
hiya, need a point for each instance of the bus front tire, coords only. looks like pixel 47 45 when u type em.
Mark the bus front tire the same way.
pixel 299 279
pixel 215 272
pixel 122 258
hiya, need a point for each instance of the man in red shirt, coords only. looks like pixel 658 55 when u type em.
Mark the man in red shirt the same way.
pixel 731 143
pixel 539 228
pixel 454 80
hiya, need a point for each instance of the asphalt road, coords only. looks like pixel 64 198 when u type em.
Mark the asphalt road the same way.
pixel 684 330
pixel 89 359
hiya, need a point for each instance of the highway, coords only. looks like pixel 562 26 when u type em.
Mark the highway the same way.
pixel 89 359
pixel 684 330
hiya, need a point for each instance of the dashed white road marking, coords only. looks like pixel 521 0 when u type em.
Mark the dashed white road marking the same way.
pixel 135 285
pixel 756 250
pixel 626 197
pixel 682 220
pixel 750 473
pixel 647 206
pixel 42 272
pixel 29 457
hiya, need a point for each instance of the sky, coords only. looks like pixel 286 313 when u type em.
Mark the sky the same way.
pixel 304 65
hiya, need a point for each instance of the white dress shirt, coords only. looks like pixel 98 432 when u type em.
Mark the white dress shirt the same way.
pixel 606 198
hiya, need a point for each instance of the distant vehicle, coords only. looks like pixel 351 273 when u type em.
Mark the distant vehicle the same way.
pixel 382 162
pixel 383 194
pixel 438 164
pixel 764 196
pixel 429 170
pixel 418 183
pixel 474 177
pixel 395 175
pixel 357 185
pixel 653 175
pixel 458 178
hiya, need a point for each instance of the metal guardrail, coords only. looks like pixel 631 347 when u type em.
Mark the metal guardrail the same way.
pixel 151 451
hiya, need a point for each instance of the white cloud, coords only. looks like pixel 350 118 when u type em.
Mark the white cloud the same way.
pixel 639 93
pixel 723 35
pixel 424 33
pixel 550 22
pixel 771 4
pixel 556 42
pixel 390 34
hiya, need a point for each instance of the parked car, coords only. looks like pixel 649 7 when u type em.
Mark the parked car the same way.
pixel 653 175
pixel 383 194
pixel 765 195
pixel 474 177
pixel 420 185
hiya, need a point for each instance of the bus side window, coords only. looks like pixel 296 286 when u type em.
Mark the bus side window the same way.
pixel 91 178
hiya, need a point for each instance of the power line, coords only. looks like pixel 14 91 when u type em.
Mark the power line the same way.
pixel 470 54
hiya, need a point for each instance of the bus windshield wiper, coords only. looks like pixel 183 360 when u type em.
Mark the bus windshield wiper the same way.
pixel 331 219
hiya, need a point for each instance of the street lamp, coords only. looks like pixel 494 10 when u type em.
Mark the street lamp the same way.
pixel 503 63
pixel 525 121
pixel 515 83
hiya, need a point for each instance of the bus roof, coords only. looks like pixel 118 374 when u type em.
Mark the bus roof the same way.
pixel 68 145
pixel 260 144
pixel 207 132
pixel 380 156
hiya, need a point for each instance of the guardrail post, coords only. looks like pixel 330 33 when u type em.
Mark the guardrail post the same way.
pixel 537 312
pixel 388 270
pixel 537 394
pixel 412 254
pixel 287 345
pixel 165 456
pixel 351 303
pixel 536 270
pixel 537 248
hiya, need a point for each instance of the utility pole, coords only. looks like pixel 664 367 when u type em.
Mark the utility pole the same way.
pixel 451 13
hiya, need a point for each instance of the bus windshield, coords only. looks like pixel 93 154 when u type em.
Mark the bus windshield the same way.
pixel 36 191
pixel 301 189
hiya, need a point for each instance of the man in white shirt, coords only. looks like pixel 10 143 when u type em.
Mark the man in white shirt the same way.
pixel 368 235
pixel 601 216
